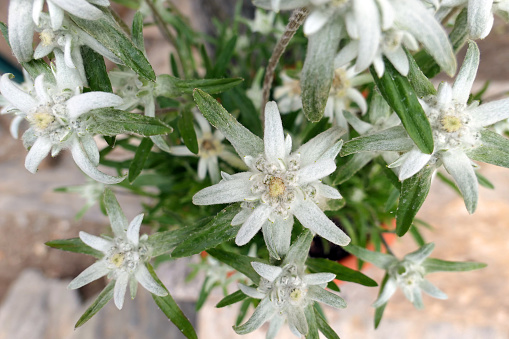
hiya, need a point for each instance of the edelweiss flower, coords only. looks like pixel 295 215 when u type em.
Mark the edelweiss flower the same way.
pixel 124 257
pixel 211 148
pixel 288 96
pixel 456 129
pixel 279 185
pixel 480 14
pixel 21 29
pixel 376 28
pixel 28 86
pixel 58 118
pixel 286 291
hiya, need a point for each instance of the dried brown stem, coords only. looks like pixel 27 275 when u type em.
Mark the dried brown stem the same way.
pixel 296 19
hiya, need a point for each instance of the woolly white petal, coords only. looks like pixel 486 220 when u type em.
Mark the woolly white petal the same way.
pixel 297 318
pixel 388 14
pixel 213 169
pixel 414 161
pixel 276 323
pixel 489 113
pixel 460 168
pixel 274 139
pixel 181 151
pixel 226 191
pixel 318 170
pixel 466 76
pixel 120 288
pixel 312 217
pixel 14 128
pixel 81 8
pixel 21 28
pixel 253 224
pixel 312 150
pixel 480 18
pixel 37 153
pixel 90 148
pixel 268 272
pixel 263 312
pixel 389 289
pixel 95 242
pixel 41 90
pixel 346 54
pixel 83 103
pixel 36 10
pixel 277 236
pixel 319 294
pixel 241 217
pixel 357 97
pixel 82 160
pixel 133 231
pixel 418 256
pixel 318 278
pixel 399 60
pixel 368 22
pixel 15 95
pixel 432 290
pixel 202 168
pixel 328 192
pixel 251 291
pixel 316 20
pixel 94 272
pixel 145 279
pixel 56 15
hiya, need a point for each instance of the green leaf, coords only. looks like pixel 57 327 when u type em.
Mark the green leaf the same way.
pixel 312 324
pixel 170 308
pixel 352 166
pixel 103 298
pixel 298 251
pixel 237 99
pixel 421 84
pixel 5 32
pixel 324 327
pixel 110 122
pixel 379 311
pixel 203 295
pixel 230 299
pixel 416 234
pixel 494 149
pixel 171 87
pixel 140 157
pixel 436 265
pixel 38 67
pixel 132 4
pixel 448 182
pixel 318 69
pixel 391 139
pixel 110 34
pixel 483 181
pixel 137 31
pixel 186 129
pixel 74 245
pixel 214 233
pixel 414 191
pixel 378 259
pixel 400 95
pixel 244 142
pixel 223 59
pixel 342 272
pixel 163 242
pixel 243 311
pixel 95 70
pixel 239 262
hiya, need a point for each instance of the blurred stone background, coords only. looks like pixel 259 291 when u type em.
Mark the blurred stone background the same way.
pixel 35 303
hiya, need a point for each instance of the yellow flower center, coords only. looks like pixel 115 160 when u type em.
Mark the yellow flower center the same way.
pixel 208 145
pixel 276 187
pixel 47 37
pixel 41 120
pixel 296 294
pixel 451 123
pixel 340 83
pixel 117 259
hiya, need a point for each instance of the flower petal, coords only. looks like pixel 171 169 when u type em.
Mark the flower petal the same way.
pixel 319 294
pixel 346 54
pixel 276 323
pixel 312 150
pixel 328 192
pixel 133 231
pixel 21 29
pixel 316 20
pixel 480 18
pixel 41 90
pixel 202 168
pixel 145 279
pixel 387 292
pixel 489 113
pixel 120 288
pixel 253 224
pixel 417 298
pixel 226 191
pixel 368 23
pixel 92 273
pixel 15 95
pixel 90 148
pixel 318 278
pixel 36 10
pixel 83 103
pixel 432 290
pixel 242 216
pixel 414 161
pixel 399 60
pixel 466 76
pixel 56 15
pixel 95 242
pixel 80 8
pixel 251 291
pixel 268 272
pixel 274 138
pixel 85 164
pixel 181 151
pixel 318 170
pixel 297 318
pixel 312 217
pixel 460 168
pixel 277 236
pixel 213 169
pixel 263 312
pixel 37 153
pixel 421 254
pixel 14 128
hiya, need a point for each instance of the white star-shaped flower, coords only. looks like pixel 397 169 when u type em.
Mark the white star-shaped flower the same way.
pixel 124 258
pixel 281 184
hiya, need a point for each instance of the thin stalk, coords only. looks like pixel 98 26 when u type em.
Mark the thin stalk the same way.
pixel 296 20
pixel 386 245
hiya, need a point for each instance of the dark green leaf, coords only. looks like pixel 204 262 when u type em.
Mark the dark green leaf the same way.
pixel 324 327
pixel 400 95
pixel 352 166
pixel 318 70
pixel 448 182
pixel 137 31
pixel 140 157
pixel 132 4
pixel 239 262
pixel 483 181
pixel 379 311
pixel 214 233
pixel 342 272
pixel 312 324
pixel 416 234
pixel 230 299
pixel 38 67
pixel 223 59
pixel 110 140
pixel 436 265
pixel 95 70
pixel 204 293
pixel 414 191
pixel 170 308
pixel 391 139
pixel 110 34
pixel 74 245
pixel 171 87
pixel 163 242
pixel 243 311
pixel 186 129
pixel 248 112
pixel 102 299
pixel 110 122
pixel 421 84
pixel 494 149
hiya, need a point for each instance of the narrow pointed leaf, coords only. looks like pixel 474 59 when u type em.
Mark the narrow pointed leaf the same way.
pixel 95 70
pixel 312 324
pixel 494 149
pixel 402 98
pixel 170 308
pixel 324 327
pixel 102 299
pixel 110 122
pixel 239 262
pixel 140 157
pixel 437 265
pixel 214 233
pixel 421 84
pixel 342 272
pixel 171 87
pixel 391 139
pixel 414 191
pixel 378 259
pixel 75 245
pixel 186 129
pixel 231 299
pixel 379 311
pixel 137 31
pixel 352 166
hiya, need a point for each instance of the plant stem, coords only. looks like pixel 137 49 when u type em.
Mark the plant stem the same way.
pixel 386 245
pixel 296 20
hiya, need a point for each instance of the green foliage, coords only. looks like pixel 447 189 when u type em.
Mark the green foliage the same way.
pixel 74 245
pixel 101 300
